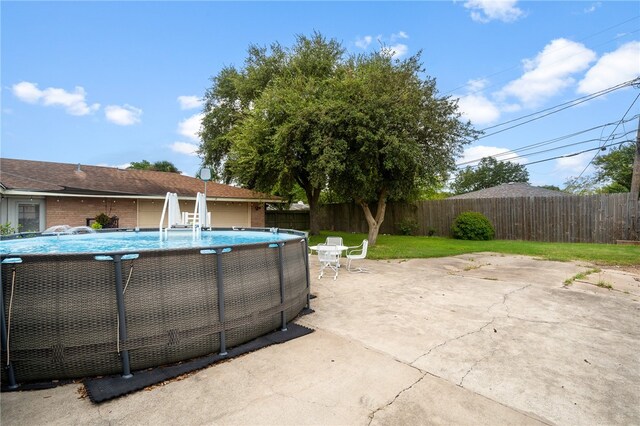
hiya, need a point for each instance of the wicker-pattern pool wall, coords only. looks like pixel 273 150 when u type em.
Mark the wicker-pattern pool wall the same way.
pixel 61 311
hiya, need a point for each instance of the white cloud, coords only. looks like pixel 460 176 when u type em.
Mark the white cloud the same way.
pixel 364 42
pixel 488 10
pixel 190 127
pixel 573 165
pixel 27 92
pixel 125 115
pixel 476 153
pixel 189 102
pixel 475 106
pixel 397 50
pixel 389 44
pixel 510 108
pixel 592 8
pixel 477 85
pixel 120 166
pixel 612 68
pixel 549 72
pixel 478 109
pixel 73 102
pixel 187 148
pixel 399 35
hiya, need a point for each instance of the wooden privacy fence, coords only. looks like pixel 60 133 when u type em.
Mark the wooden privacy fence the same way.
pixel 288 219
pixel 602 218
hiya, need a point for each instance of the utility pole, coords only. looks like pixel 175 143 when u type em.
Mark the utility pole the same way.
pixel 635 180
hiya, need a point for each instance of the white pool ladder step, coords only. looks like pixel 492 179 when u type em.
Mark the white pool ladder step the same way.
pixel 177 220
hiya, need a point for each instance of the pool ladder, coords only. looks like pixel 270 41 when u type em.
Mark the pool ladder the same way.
pixel 177 220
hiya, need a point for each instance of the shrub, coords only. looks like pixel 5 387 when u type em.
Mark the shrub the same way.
pixel 407 226
pixel 472 226
pixel 7 229
pixel 96 225
pixel 103 219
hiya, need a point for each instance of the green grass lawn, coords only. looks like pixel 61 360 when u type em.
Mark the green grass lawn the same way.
pixel 407 247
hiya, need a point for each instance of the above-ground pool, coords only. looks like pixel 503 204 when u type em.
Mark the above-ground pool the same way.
pixel 98 304
pixel 136 241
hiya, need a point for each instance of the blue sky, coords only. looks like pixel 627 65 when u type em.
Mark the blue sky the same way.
pixel 107 83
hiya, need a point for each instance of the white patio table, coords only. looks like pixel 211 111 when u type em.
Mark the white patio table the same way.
pixel 331 248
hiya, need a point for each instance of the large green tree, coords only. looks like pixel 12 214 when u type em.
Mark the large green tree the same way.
pixel 268 125
pixel 488 173
pixel 615 169
pixel 366 128
pixel 401 137
pixel 159 166
pixel 613 173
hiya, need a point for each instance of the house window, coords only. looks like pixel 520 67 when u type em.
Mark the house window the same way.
pixel 29 217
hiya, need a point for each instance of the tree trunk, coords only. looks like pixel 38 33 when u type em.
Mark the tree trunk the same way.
pixel 374 222
pixel 313 195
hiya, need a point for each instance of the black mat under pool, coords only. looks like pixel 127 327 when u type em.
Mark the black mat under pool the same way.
pixel 106 388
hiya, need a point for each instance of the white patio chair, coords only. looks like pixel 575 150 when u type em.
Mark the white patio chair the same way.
pixel 328 257
pixel 355 253
pixel 335 241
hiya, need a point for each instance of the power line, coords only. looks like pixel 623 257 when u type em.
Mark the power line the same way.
pixel 611 139
pixel 620 122
pixel 559 147
pixel 550 141
pixel 598 148
pixel 599 93
pixel 558 108
pixel 572 144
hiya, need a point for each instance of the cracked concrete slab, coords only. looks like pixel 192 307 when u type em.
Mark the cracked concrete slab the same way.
pixel 317 379
pixel 506 328
pixel 472 339
pixel 436 401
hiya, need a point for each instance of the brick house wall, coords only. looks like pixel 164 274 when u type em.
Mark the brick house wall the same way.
pixel 74 211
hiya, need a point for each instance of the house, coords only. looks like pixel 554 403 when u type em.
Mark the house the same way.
pixel 510 190
pixel 39 194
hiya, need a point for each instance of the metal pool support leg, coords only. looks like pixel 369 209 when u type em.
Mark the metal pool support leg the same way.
pixel 305 255
pixel 124 355
pixel 220 282
pixel 283 314
pixel 11 376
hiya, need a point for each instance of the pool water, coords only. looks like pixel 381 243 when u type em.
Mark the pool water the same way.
pixel 134 241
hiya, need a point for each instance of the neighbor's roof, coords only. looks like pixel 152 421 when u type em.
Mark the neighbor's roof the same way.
pixel 75 179
pixel 507 190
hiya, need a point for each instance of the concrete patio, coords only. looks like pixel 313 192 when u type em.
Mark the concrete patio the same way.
pixel 472 339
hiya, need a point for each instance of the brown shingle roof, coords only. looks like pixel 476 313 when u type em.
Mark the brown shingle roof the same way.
pixel 62 178
pixel 507 190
